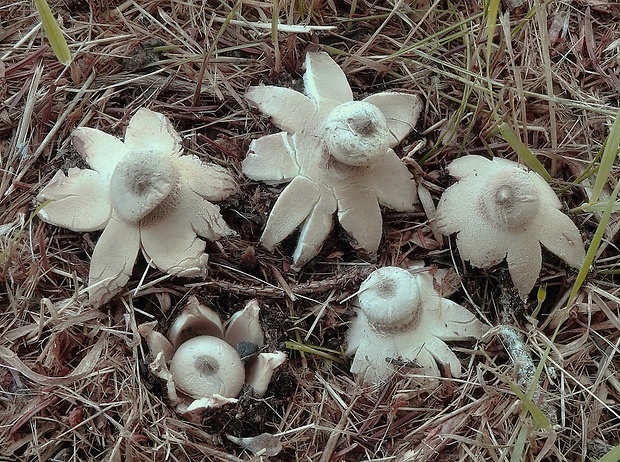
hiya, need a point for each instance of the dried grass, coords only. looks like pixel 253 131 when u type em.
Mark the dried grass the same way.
pixel 74 384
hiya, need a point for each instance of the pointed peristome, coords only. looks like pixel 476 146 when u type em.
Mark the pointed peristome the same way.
pixel 356 133
pixel 390 298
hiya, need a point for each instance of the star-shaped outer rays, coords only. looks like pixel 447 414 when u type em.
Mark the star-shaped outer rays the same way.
pixel 337 155
pixel 144 195
pixel 499 210
pixel 400 318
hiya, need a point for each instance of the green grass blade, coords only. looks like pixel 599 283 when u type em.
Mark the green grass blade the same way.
pixel 611 456
pixel 610 153
pixel 314 350
pixel 519 447
pixel 541 296
pixel 600 207
pixel 539 416
pixel 594 245
pixel 53 32
pixel 524 153
pixel 492 8
pixel 541 420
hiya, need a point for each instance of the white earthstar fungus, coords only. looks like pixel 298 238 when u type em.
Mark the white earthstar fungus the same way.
pixel 400 317
pixel 199 360
pixel 337 155
pixel 145 195
pixel 499 210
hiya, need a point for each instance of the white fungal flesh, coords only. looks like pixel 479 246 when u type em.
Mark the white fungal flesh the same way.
pixel 195 320
pixel 499 210
pixel 157 342
pixel 244 326
pixel 261 370
pixel 145 196
pixel 205 365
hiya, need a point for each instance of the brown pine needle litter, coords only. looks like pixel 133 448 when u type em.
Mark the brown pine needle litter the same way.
pixel 74 380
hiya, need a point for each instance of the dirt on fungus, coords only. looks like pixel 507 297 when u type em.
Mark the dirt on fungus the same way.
pixel 74 380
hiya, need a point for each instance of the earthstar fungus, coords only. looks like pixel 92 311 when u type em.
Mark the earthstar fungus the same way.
pixel 145 195
pixel 200 360
pixel 400 317
pixel 500 210
pixel 337 155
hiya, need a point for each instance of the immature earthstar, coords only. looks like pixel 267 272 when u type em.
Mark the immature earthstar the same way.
pixel 500 210
pixel 145 195
pixel 401 319
pixel 201 359
pixel 337 154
